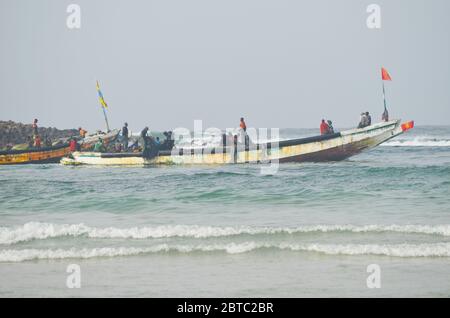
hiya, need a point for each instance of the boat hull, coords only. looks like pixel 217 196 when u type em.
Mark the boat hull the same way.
pixel 334 147
pixel 349 144
pixel 34 156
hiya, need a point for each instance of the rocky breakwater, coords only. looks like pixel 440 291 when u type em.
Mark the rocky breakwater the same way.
pixel 13 133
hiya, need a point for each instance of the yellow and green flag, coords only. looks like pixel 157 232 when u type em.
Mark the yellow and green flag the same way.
pixel 100 97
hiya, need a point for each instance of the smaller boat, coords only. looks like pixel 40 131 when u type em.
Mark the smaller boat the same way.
pixel 88 142
pixel 331 147
pixel 52 154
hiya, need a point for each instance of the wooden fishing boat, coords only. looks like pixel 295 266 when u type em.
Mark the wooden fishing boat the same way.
pixel 52 154
pixel 332 147
pixel 37 155
pixel 88 142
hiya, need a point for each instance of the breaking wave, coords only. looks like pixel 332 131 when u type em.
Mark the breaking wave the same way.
pixel 394 250
pixel 40 231
pixel 418 142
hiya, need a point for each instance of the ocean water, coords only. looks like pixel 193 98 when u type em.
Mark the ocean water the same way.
pixel 309 230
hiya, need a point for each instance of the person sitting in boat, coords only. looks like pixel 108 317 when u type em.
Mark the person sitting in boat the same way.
pixel 82 132
pixel 324 128
pixel 168 143
pixel 30 142
pixel 72 145
pixel 99 146
pixel 47 141
pixel 37 141
pixel 363 121
pixel 118 147
pixel 165 145
pixel 330 127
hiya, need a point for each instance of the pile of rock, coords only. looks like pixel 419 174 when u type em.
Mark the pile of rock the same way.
pixel 17 133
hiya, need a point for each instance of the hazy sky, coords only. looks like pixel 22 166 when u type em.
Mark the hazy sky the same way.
pixel 278 63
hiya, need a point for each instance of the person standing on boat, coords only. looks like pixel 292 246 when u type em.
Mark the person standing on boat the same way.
pixel 144 132
pixel 99 146
pixel 35 127
pixel 244 136
pixel 125 136
pixel 143 137
pixel 242 125
pixel 324 128
pixel 369 119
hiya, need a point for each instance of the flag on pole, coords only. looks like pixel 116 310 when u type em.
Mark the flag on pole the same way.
pixel 385 75
pixel 100 97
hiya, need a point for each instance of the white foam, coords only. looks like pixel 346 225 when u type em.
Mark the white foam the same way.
pixel 394 250
pixel 39 231
pixel 418 142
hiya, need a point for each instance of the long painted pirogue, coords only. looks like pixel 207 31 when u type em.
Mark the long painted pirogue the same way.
pixel 50 154
pixel 332 147
pixel 39 155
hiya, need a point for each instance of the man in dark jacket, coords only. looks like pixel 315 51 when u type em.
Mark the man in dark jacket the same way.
pixel 369 119
pixel 125 136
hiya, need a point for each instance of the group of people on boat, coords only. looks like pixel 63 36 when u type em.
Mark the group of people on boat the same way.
pixel 326 127
pixel 35 140
pixel 147 141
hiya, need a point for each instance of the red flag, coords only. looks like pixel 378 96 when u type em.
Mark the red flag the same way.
pixel 385 75
pixel 407 126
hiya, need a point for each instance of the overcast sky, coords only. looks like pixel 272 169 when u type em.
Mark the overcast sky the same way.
pixel 278 63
